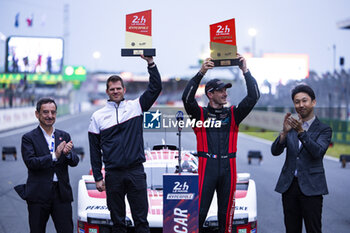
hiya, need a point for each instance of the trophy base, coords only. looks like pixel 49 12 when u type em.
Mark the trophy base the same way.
pixel 138 52
pixel 227 62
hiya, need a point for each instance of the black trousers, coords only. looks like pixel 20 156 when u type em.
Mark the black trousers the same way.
pixel 219 175
pixel 61 213
pixel 298 207
pixel 132 183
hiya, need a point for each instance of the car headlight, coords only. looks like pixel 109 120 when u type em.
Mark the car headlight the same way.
pixel 99 221
pixel 211 221
pixel 109 222
pixel 240 219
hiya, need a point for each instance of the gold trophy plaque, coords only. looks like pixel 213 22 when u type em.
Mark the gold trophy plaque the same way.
pixel 138 35
pixel 223 47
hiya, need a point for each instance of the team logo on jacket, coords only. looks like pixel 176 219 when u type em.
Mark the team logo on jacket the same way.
pixel 152 120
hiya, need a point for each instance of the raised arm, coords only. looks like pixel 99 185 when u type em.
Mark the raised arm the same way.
pixel 253 94
pixel 154 87
pixel 188 97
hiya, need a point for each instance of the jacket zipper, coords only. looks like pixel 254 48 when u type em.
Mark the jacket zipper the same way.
pixel 116 110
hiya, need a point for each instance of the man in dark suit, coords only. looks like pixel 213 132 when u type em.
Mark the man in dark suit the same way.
pixel 302 181
pixel 47 152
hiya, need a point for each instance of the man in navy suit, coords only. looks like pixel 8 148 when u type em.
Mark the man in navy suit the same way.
pixel 47 152
pixel 302 181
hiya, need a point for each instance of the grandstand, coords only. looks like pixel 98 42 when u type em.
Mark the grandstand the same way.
pixel 25 94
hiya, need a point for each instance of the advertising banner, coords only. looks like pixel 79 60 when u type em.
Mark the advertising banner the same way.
pixel 180 203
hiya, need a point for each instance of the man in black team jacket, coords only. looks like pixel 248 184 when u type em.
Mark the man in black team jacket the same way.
pixel 217 146
pixel 116 129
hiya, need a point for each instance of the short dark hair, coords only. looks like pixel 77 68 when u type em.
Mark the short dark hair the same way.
pixel 44 100
pixel 113 79
pixel 303 88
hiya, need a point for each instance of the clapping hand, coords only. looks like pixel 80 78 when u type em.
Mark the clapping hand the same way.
pixel 296 124
pixel 68 147
pixel 60 149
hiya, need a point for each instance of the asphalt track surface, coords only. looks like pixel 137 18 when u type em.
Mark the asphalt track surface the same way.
pixel 336 205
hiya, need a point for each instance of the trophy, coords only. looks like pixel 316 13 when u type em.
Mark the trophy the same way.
pixel 223 47
pixel 138 34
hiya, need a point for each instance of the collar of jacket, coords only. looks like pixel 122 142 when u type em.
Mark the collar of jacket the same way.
pixel 115 105
pixel 215 110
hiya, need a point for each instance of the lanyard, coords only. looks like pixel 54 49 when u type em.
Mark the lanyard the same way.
pixel 52 146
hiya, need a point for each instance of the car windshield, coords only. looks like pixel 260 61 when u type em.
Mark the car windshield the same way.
pixel 165 161
pixel 155 174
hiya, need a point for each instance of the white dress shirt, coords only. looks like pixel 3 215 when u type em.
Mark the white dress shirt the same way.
pixel 306 126
pixel 50 139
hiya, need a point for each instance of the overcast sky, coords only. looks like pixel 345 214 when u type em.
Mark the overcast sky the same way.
pixel 181 29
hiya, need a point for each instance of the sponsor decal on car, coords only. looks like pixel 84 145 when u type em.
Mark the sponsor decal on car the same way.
pixel 96 207
pixel 245 208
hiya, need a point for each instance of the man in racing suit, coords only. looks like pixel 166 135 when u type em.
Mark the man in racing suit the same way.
pixel 117 130
pixel 217 146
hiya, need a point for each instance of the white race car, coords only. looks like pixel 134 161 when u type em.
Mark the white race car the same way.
pixel 94 216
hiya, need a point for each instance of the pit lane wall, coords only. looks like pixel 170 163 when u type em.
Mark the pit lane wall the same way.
pixel 16 117
pixel 264 119
pixel 13 118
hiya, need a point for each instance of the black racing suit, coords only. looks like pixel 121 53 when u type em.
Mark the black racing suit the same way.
pixel 117 131
pixel 217 149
